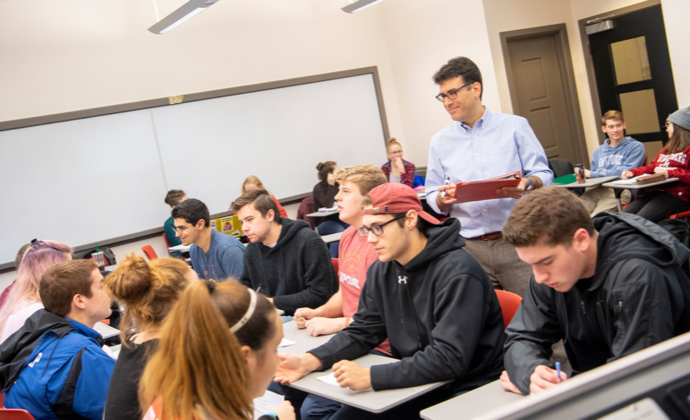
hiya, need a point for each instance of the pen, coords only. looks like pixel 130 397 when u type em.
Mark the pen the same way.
pixel 558 371
pixel 443 193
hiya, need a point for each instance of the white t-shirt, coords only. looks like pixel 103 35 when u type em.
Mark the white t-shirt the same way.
pixel 18 318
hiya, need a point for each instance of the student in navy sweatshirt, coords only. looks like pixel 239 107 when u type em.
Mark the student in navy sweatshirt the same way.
pixel 617 154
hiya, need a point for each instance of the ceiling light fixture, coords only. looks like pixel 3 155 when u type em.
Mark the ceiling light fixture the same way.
pixel 359 5
pixel 181 15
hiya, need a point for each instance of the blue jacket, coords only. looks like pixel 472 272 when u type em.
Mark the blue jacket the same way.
pixel 611 161
pixel 67 374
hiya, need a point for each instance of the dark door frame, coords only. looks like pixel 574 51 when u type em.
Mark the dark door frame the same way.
pixel 589 64
pixel 572 102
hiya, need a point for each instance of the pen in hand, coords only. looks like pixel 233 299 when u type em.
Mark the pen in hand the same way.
pixel 443 193
pixel 558 371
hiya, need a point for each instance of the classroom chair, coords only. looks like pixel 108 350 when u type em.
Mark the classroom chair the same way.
pixel 509 304
pixel 306 207
pixel 149 252
pixel 167 242
pixel 15 414
pixel 335 263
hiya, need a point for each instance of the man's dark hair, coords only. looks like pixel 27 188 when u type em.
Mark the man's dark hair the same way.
pixel 262 200
pixel 460 66
pixel 548 216
pixel 20 255
pixel 173 197
pixel 62 281
pixel 192 210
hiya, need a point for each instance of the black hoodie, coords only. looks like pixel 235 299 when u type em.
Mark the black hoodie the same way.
pixel 297 272
pixel 638 297
pixel 440 313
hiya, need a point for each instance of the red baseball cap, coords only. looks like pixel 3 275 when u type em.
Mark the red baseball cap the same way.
pixel 395 198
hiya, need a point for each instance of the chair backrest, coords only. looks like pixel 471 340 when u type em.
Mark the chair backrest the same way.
pixel 149 252
pixel 336 265
pixel 167 242
pixel 561 167
pixel 15 414
pixel 306 207
pixel 509 304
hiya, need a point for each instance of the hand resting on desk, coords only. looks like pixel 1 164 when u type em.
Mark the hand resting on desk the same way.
pixel 351 375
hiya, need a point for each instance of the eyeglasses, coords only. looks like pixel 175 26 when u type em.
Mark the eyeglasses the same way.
pixel 180 229
pixel 451 94
pixel 377 230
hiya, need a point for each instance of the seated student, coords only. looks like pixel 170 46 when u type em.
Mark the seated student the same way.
pixel 607 286
pixel 428 296
pixel 148 292
pixel 618 153
pixel 24 299
pixel 674 162
pixel 215 256
pixel 285 259
pixel 54 366
pixel 217 352
pixel 254 183
pixel 324 197
pixel 17 260
pixel 396 169
pixel 173 198
pixel 356 255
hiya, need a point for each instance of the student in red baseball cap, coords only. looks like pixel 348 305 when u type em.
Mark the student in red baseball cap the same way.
pixel 428 296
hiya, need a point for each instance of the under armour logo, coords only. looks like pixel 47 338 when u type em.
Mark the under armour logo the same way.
pixel 402 279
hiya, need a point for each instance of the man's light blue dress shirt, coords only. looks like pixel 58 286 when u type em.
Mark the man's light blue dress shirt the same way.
pixel 497 144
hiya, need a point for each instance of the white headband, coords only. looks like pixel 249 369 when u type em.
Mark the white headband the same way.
pixel 247 315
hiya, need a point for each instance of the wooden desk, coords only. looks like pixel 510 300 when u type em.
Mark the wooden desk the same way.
pixel 589 182
pixel 369 400
pixel 618 188
pixel 472 404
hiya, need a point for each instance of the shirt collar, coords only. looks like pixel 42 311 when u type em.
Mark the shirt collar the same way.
pixel 83 329
pixel 481 123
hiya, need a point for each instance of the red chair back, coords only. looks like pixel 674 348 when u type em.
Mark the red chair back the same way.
pixel 15 414
pixel 335 263
pixel 509 304
pixel 149 252
pixel 167 242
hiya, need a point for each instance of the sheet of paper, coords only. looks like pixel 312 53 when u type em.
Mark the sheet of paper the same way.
pixel 267 402
pixel 286 343
pixel 330 380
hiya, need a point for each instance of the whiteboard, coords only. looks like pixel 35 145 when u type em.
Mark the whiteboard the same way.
pixel 94 179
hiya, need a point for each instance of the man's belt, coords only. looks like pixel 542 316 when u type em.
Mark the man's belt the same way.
pixel 489 236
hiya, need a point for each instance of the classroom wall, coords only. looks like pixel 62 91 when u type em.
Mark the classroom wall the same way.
pixel 72 55
pixel 509 15
pixel 421 37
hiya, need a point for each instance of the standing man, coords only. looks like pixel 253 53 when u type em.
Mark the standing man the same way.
pixel 286 260
pixel 215 256
pixel 608 286
pixel 617 154
pixel 416 294
pixel 173 198
pixel 480 144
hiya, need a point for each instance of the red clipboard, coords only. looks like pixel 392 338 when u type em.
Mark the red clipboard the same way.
pixel 485 189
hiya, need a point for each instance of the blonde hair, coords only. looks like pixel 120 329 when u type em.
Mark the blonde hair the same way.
pixel 367 177
pixel 34 263
pixel 253 179
pixel 147 290
pixel 392 142
pixel 198 366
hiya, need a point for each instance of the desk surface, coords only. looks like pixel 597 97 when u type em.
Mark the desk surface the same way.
pixel 180 248
pixel 639 187
pixel 322 213
pixel 106 330
pixel 333 237
pixel 472 404
pixel 369 400
pixel 589 182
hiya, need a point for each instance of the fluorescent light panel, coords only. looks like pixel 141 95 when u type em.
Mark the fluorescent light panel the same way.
pixel 181 15
pixel 359 5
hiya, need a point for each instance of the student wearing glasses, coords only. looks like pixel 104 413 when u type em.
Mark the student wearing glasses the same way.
pixel 481 144
pixel 421 285
pixel 215 256
pixel 396 169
